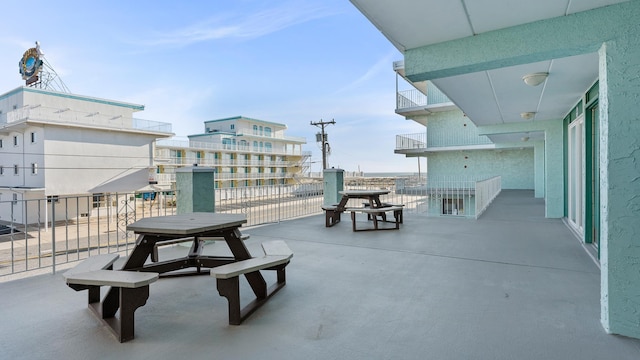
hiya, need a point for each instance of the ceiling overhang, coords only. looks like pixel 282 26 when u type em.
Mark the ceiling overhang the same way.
pixel 486 81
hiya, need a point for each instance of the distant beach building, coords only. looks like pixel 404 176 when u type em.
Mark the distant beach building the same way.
pixel 243 151
pixel 55 144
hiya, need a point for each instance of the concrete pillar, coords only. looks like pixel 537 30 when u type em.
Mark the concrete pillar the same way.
pixel 333 184
pixel 554 170
pixel 619 185
pixel 196 189
pixel 539 165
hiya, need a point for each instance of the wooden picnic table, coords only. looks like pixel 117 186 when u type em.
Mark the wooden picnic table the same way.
pixel 372 196
pixel 129 286
pixel 195 226
pixel 333 212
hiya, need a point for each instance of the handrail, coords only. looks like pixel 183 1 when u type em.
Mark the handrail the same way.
pixel 486 192
pixel 440 138
pixel 67 116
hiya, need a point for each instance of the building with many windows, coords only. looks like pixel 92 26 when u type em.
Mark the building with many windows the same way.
pixel 243 151
pixel 55 144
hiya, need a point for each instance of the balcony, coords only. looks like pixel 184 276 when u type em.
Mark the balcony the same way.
pixel 439 141
pixel 67 116
pixel 268 135
pixel 414 103
pixel 211 146
pixel 510 285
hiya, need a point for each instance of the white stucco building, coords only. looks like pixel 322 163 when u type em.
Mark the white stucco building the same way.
pixel 55 144
pixel 243 151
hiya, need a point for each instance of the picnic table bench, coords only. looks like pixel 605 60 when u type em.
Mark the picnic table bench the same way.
pixel 373 213
pixel 373 207
pixel 129 287
pixel 129 291
pixel 276 257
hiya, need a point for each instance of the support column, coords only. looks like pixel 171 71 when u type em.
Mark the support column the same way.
pixel 539 166
pixel 196 189
pixel 619 186
pixel 333 184
pixel 554 169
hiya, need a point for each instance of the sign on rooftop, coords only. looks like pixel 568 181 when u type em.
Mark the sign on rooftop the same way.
pixel 31 64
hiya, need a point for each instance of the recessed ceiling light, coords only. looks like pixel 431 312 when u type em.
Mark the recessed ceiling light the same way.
pixel 527 115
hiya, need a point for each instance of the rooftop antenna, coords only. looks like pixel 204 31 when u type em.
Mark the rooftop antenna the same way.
pixel 37 72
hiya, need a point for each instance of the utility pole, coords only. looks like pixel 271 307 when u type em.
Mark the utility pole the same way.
pixel 323 139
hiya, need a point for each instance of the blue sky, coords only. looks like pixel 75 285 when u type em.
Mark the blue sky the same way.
pixel 290 62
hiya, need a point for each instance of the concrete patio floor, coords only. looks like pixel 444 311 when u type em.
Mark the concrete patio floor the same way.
pixel 510 285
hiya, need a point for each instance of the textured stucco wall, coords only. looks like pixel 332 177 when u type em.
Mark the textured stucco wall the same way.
pixel 619 187
pixel 539 166
pixel 452 128
pixel 516 166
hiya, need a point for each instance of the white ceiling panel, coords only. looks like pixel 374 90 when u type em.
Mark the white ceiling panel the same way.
pixel 495 96
pixel 513 96
pixel 500 96
pixel 410 24
pixel 487 15
pixel 414 23
pixel 569 78
pixel 480 100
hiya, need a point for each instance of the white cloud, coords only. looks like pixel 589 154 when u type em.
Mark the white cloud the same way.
pixel 381 66
pixel 247 26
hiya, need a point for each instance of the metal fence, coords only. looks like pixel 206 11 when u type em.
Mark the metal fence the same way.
pixel 64 230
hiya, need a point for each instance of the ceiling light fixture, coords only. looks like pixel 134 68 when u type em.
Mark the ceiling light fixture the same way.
pixel 527 115
pixel 535 79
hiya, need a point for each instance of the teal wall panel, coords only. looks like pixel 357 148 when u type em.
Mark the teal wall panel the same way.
pixel 619 187
pixel 516 166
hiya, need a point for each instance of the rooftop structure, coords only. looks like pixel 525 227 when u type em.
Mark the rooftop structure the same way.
pixel 511 285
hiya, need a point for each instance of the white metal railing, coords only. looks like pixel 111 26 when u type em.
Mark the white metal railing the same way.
pixel 56 231
pixel 411 141
pixel 69 229
pixel 190 160
pixel 410 98
pixel 486 191
pixel 195 145
pixel 451 196
pixel 96 119
pixel 406 99
pixel 278 135
pixel 434 139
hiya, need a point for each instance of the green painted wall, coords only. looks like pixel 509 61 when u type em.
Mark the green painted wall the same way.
pixel 619 96
pixel 452 128
pixel 516 166
pixel 195 190
pixel 333 180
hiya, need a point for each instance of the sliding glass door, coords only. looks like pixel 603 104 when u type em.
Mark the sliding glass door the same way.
pixel 576 174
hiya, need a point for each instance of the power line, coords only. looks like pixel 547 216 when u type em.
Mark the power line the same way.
pixel 323 138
